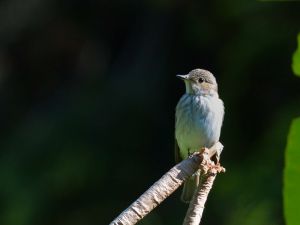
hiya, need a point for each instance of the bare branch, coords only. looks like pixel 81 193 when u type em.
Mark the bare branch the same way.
pixel 208 174
pixel 160 190
pixel 196 207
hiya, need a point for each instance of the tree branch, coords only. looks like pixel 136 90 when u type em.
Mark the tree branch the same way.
pixel 207 176
pixel 163 188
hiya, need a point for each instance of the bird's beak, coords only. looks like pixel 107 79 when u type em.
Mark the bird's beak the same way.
pixel 183 77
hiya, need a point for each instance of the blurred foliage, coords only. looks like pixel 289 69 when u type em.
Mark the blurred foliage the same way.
pixel 296 59
pixel 292 167
pixel 291 175
pixel 88 91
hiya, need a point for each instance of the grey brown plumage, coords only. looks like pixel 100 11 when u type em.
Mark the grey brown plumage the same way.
pixel 199 117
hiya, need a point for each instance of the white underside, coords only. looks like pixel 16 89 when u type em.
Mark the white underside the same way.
pixel 198 122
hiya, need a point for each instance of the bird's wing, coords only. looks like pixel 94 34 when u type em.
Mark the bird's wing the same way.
pixel 177 153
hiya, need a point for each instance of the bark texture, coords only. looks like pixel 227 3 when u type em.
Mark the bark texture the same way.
pixel 163 188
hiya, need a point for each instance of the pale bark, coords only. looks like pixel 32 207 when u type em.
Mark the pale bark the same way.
pixel 207 176
pixel 164 187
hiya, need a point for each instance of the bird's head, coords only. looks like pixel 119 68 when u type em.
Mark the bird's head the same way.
pixel 200 82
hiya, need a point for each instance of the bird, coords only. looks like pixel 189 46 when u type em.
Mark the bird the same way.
pixel 198 121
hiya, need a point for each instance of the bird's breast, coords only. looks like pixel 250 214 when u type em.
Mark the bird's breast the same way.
pixel 198 122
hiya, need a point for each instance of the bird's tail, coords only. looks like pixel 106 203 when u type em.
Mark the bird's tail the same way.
pixel 189 187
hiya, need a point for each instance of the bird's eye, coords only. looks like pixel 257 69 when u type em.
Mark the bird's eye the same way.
pixel 201 80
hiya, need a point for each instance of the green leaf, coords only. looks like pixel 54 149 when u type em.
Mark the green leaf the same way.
pixel 292 175
pixel 296 59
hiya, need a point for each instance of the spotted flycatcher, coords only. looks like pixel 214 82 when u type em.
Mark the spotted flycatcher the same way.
pixel 199 118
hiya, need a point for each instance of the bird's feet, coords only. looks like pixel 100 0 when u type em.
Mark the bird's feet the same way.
pixel 208 165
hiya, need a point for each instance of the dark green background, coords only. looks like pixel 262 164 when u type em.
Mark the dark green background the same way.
pixel 88 91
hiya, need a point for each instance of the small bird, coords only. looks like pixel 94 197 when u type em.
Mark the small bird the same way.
pixel 198 121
